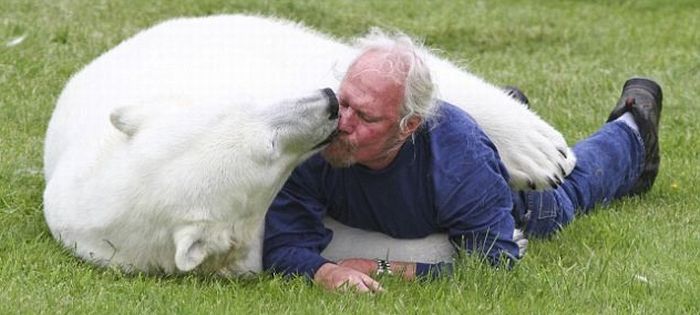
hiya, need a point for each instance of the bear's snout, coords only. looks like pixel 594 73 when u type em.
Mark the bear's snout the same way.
pixel 332 103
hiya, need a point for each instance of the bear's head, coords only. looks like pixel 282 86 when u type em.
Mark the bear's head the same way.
pixel 202 176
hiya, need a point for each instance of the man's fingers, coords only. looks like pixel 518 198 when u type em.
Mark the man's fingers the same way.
pixel 353 284
pixel 362 284
pixel 372 284
pixel 335 277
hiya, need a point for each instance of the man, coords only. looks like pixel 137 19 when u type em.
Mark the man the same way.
pixel 406 165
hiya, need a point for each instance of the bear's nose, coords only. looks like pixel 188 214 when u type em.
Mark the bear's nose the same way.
pixel 332 103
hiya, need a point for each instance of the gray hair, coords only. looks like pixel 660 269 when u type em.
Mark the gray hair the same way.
pixel 419 89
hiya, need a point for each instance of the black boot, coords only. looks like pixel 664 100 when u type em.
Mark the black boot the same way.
pixel 642 98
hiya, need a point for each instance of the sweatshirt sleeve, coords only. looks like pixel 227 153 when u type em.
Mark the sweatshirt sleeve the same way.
pixel 294 233
pixel 476 215
pixel 431 271
pixel 473 199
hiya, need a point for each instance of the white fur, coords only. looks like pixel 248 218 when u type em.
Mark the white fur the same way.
pixel 350 242
pixel 164 153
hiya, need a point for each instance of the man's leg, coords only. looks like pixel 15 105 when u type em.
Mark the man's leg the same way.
pixel 614 162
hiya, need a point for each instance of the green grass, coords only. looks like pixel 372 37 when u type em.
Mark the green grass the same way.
pixel 571 57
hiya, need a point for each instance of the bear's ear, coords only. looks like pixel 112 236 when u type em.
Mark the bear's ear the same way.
pixel 190 248
pixel 129 119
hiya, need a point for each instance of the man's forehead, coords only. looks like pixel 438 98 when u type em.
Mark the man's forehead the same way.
pixel 374 76
pixel 373 83
pixel 396 59
pixel 371 86
pixel 371 80
pixel 363 96
pixel 379 63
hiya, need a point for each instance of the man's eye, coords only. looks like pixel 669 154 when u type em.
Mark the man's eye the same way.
pixel 369 119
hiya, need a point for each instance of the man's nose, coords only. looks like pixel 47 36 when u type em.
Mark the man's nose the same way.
pixel 347 120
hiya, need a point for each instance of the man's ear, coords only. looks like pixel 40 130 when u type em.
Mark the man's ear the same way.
pixel 190 248
pixel 411 125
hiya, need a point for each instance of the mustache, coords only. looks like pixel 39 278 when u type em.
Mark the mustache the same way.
pixel 341 140
pixel 339 153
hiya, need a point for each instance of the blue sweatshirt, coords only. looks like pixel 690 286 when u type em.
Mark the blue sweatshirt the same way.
pixel 448 180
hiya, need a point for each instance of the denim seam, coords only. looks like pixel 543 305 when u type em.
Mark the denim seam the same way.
pixel 548 212
pixel 537 209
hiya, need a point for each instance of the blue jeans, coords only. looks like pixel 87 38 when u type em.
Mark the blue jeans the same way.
pixel 608 164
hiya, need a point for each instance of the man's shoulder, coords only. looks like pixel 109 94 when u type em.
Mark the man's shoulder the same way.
pixel 454 133
pixel 452 121
pixel 445 108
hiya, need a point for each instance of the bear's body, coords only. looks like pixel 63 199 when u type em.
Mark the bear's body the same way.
pixel 164 153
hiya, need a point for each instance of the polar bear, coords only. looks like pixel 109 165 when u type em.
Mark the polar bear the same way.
pixel 163 154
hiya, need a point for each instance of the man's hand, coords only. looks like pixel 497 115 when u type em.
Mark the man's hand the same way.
pixel 366 266
pixel 333 277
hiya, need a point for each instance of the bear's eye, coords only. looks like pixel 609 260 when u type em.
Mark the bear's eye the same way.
pixel 272 143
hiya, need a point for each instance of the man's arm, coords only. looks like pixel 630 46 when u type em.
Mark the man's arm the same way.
pixel 477 213
pixel 295 235
pixel 472 196
pixel 308 262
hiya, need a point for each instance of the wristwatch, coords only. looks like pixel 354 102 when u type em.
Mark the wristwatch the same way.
pixel 383 266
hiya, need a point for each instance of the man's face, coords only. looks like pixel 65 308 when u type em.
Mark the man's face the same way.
pixel 370 98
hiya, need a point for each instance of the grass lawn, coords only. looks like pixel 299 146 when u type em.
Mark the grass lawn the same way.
pixel 571 57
